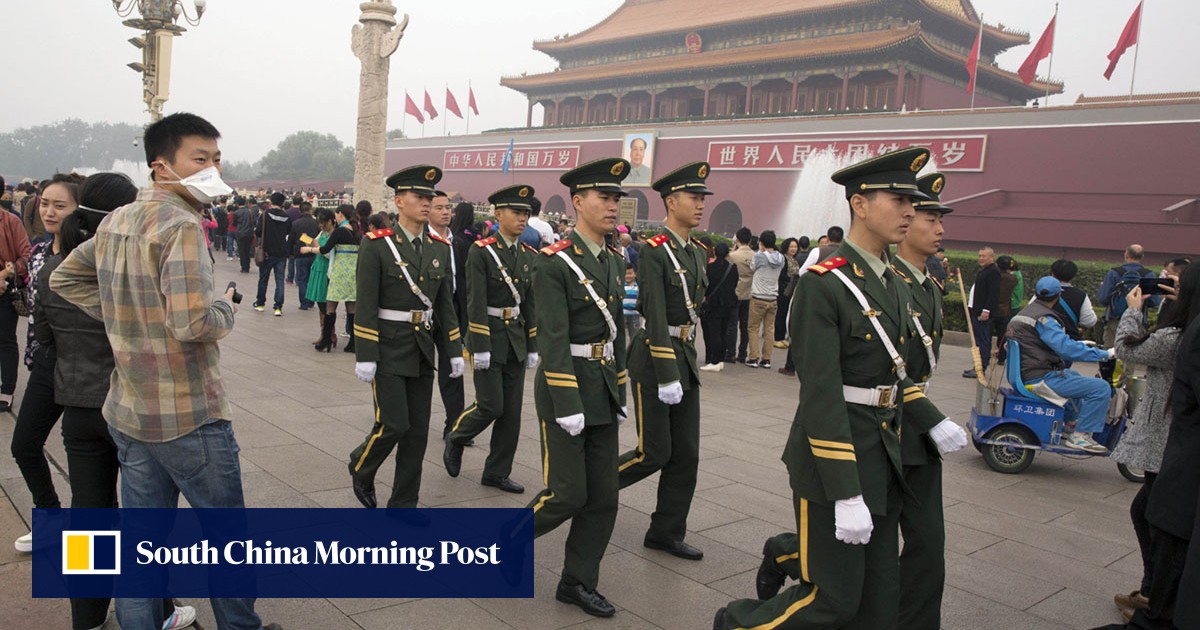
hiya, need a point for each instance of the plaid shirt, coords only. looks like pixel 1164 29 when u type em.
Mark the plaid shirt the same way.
pixel 147 274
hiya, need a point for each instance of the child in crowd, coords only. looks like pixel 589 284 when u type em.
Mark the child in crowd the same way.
pixel 633 321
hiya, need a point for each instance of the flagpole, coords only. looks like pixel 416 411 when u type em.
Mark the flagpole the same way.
pixel 468 109
pixel 404 115
pixel 1054 40
pixel 975 87
pixel 1141 18
pixel 444 111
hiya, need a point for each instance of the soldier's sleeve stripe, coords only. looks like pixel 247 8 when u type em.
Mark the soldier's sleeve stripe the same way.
pixel 909 390
pixel 911 397
pixel 557 383
pixel 532 332
pixel 362 335
pixel 622 373
pixel 561 376
pixel 843 455
pixel 845 446
pixel 454 335
pixel 661 355
pixel 479 330
pixel 621 380
pixel 662 349
pixel 369 331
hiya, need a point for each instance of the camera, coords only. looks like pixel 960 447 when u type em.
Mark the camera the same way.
pixel 237 297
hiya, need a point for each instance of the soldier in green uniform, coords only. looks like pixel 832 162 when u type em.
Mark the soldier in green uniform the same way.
pixel 501 336
pixel 923 560
pixel 850 337
pixel 404 281
pixel 580 387
pixel 662 361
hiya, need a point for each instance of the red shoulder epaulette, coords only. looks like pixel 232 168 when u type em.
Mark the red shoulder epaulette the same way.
pixel 438 238
pixel 484 242
pixel 655 241
pixel 615 250
pixel 901 274
pixel 529 247
pixel 828 265
pixel 697 241
pixel 551 250
pixel 380 233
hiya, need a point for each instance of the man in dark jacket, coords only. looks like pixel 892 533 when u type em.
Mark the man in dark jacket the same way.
pixel 274 225
pixel 985 298
pixel 244 219
pixel 304 230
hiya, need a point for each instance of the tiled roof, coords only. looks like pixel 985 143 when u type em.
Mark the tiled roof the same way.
pixel 1160 96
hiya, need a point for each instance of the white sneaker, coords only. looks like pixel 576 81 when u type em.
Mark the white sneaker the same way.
pixel 183 617
pixel 24 544
pixel 710 367
pixel 1082 442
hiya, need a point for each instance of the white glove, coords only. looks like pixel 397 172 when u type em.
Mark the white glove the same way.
pixel 1112 353
pixel 948 436
pixel 457 365
pixel 365 371
pixel 852 521
pixel 532 361
pixel 572 424
pixel 622 415
pixel 671 393
pixel 483 360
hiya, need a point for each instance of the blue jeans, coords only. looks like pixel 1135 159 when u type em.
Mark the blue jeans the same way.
pixel 1089 397
pixel 276 264
pixel 303 270
pixel 203 465
pixel 231 244
pixel 291 269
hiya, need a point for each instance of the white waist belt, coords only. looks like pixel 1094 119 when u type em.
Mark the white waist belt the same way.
pixel 924 387
pixel 507 312
pixel 416 317
pixel 592 351
pixel 686 332
pixel 882 396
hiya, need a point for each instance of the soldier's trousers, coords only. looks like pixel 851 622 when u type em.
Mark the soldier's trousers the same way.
pixel 923 560
pixel 402 407
pixel 580 474
pixel 840 585
pixel 499 391
pixel 668 440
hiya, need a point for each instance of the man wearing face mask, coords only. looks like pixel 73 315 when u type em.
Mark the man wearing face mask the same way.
pixel 171 425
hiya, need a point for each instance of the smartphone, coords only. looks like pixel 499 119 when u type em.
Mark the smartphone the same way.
pixel 1153 286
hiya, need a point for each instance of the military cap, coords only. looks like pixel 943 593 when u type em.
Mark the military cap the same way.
pixel 932 185
pixel 894 172
pixel 421 179
pixel 687 178
pixel 604 175
pixel 517 197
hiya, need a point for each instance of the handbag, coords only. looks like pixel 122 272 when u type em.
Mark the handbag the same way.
pixel 260 252
pixel 20 297
pixel 703 310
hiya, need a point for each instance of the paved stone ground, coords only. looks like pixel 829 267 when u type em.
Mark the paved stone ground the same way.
pixel 1044 549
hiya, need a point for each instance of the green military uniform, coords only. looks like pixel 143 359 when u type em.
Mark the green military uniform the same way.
pixel 582 372
pixel 923 560
pixel 671 283
pixel 394 330
pixel 500 321
pixel 845 438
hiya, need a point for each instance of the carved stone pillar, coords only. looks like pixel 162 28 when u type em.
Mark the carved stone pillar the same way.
pixel 373 42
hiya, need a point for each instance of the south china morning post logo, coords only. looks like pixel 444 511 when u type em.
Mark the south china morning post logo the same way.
pixel 91 552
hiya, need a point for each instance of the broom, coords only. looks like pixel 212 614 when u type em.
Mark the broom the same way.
pixel 976 360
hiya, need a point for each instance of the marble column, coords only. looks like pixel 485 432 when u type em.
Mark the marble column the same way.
pixel 373 41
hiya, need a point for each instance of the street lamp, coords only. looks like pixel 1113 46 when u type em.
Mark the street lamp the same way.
pixel 158 24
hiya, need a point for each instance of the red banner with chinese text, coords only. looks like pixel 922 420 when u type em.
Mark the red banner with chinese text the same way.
pixel 546 158
pixel 951 153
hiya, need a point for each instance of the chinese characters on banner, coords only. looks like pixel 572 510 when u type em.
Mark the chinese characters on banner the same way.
pixel 950 153
pixel 553 158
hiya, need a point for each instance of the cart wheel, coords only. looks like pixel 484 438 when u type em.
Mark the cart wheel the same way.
pixel 1009 459
pixel 1133 474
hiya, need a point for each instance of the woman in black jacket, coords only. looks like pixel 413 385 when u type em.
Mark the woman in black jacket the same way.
pixel 719 308
pixel 81 378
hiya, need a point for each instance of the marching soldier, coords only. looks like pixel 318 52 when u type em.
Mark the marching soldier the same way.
pixel 662 361
pixel 580 386
pixel 923 560
pixel 850 336
pixel 403 283
pixel 501 337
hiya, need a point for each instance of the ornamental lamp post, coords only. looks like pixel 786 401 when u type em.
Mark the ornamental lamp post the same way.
pixel 158 25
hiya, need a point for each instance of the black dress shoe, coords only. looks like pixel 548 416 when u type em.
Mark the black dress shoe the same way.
pixel 505 484
pixel 678 548
pixel 968 373
pixel 452 458
pixel 592 602
pixel 719 619
pixel 364 490
pixel 769 578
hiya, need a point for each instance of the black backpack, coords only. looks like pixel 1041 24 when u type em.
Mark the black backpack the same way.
pixel 1129 278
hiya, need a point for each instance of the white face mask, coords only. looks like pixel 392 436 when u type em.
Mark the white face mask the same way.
pixel 204 185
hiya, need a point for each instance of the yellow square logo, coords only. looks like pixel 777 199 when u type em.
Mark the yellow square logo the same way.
pixel 91 552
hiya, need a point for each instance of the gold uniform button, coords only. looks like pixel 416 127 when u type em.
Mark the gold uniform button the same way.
pixel 901 338
pixel 416 328
pixel 420 278
pixel 868 336
pixel 883 425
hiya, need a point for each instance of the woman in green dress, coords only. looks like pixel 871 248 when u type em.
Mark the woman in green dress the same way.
pixel 318 279
pixel 342 248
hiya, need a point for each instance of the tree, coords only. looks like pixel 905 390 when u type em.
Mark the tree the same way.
pixel 309 155
pixel 395 134
pixel 59 147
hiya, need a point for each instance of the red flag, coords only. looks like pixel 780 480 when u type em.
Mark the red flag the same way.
pixel 452 104
pixel 973 60
pixel 410 108
pixel 1044 47
pixel 1129 37
pixel 471 100
pixel 429 106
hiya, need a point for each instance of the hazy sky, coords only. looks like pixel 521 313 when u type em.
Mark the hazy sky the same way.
pixel 261 69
